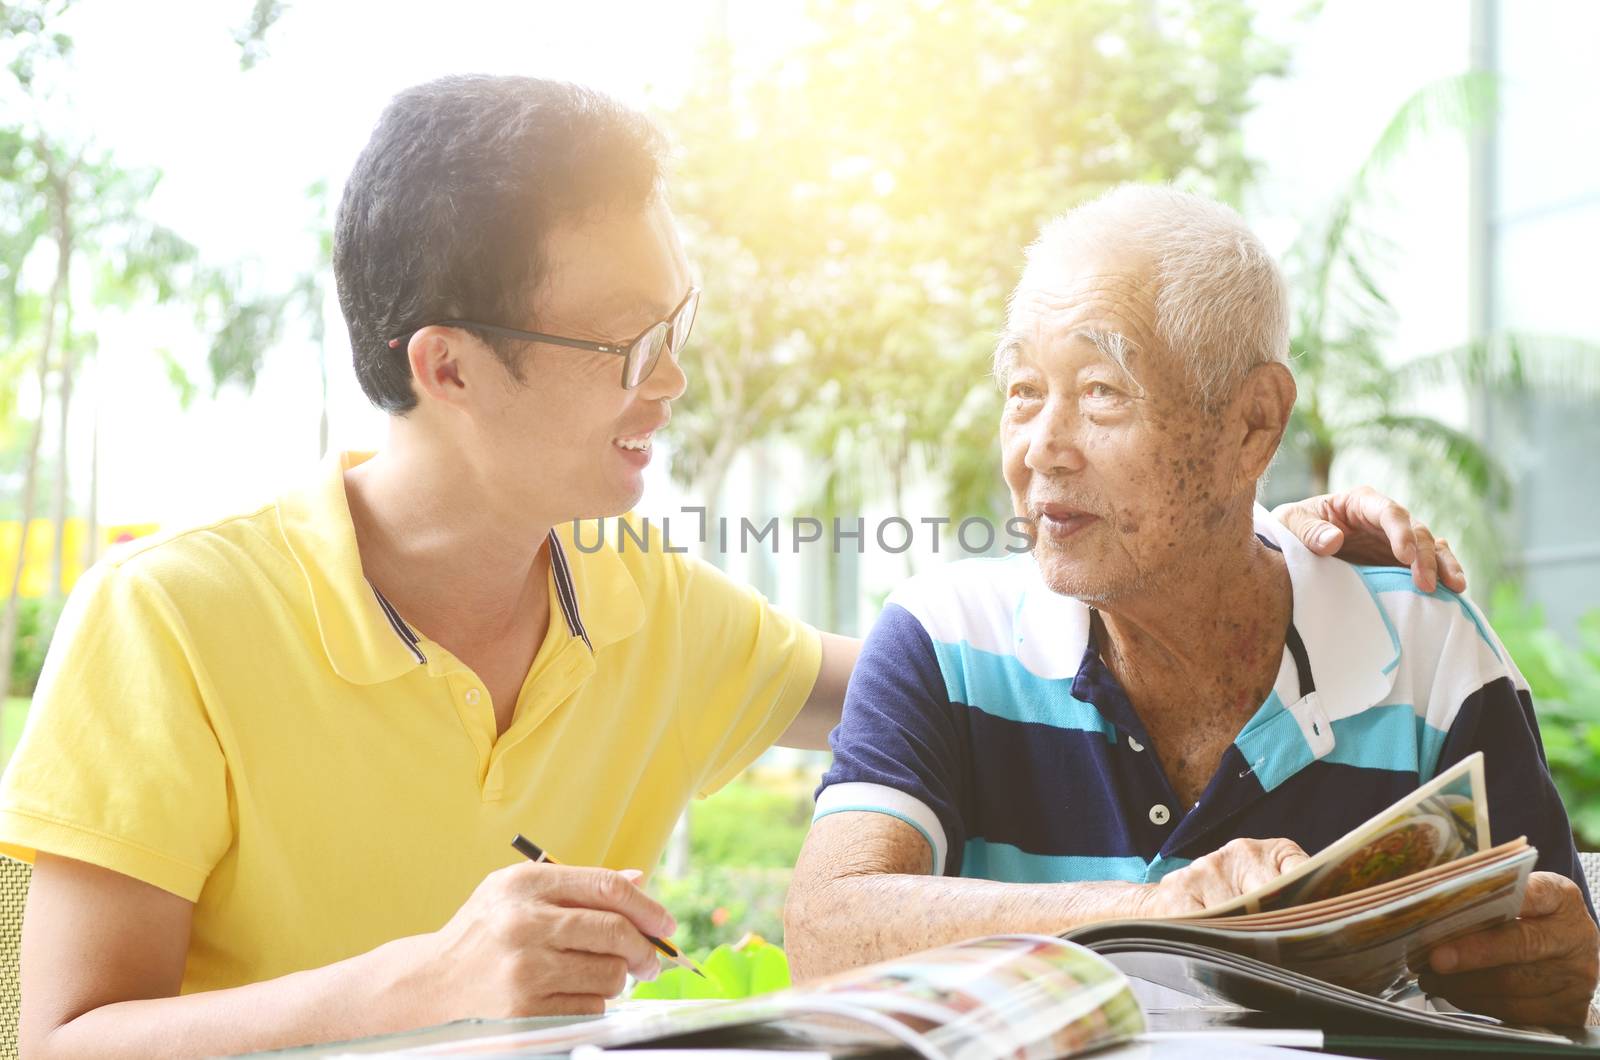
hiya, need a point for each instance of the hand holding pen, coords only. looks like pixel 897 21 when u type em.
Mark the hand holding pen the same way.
pixel 531 940
pixel 536 854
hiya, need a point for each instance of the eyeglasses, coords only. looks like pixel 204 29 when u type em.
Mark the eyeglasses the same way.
pixel 639 355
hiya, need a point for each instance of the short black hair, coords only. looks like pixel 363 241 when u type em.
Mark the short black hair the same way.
pixel 445 213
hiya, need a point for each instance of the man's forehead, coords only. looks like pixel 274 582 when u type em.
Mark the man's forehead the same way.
pixel 632 301
pixel 1061 302
pixel 623 268
pixel 1063 283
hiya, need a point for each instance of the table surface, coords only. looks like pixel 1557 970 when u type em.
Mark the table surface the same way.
pixel 1188 1033
pixel 1220 1043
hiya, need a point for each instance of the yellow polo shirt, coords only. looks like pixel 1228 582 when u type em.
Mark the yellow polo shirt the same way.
pixel 233 714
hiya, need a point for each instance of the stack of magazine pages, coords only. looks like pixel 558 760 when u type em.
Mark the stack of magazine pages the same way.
pixel 1330 947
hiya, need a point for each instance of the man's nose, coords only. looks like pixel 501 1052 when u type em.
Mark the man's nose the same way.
pixel 1053 443
pixel 667 381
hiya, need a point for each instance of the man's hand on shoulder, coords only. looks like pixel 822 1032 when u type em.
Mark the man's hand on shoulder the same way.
pixel 1364 526
pixel 1541 968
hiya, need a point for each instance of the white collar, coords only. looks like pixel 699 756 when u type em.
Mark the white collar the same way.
pixel 1351 643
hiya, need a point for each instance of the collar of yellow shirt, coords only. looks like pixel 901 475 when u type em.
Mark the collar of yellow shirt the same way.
pixel 367 642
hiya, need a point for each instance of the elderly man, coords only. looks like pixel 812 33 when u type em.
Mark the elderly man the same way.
pixel 1170 699
pixel 271 778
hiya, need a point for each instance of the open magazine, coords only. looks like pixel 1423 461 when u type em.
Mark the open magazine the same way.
pixel 1365 912
pixel 1004 996
pixel 1331 945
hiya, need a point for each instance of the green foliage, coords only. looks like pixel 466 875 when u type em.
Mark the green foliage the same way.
pixel 36 624
pixel 13 716
pixel 858 208
pixel 1565 680
pixel 252 36
pixel 1355 400
pixel 26 40
pixel 719 904
pixel 747 969
pixel 242 327
pixel 750 825
pixel 743 842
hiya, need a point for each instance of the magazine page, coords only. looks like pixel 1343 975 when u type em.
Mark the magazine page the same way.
pixel 1379 951
pixel 1284 997
pixel 1332 908
pixel 1445 819
pixel 1375 949
pixel 1004 996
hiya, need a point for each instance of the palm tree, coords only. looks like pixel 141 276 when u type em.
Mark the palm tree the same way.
pixel 1356 400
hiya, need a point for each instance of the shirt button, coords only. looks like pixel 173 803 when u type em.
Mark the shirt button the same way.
pixel 1135 744
pixel 1159 814
pixel 472 696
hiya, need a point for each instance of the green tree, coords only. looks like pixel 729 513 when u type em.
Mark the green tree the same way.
pixel 1563 676
pixel 1356 399
pixel 63 199
pixel 87 213
pixel 245 321
pixel 857 207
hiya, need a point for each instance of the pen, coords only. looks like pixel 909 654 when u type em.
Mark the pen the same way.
pixel 535 853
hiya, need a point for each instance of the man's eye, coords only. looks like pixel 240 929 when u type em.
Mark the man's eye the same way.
pixel 1101 390
pixel 1024 391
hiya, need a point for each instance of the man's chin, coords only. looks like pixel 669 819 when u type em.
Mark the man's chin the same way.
pixel 619 500
pixel 1074 577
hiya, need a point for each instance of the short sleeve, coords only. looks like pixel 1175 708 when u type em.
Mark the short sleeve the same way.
pixel 900 748
pixel 118 765
pixel 748 669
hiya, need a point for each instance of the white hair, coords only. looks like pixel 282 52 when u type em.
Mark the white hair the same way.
pixel 1221 305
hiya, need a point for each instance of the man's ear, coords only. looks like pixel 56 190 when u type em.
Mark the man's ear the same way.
pixel 435 355
pixel 1262 407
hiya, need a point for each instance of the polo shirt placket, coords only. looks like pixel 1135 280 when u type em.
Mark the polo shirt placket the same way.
pixel 564 662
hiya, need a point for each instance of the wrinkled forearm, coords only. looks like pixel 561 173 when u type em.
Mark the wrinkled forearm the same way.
pixel 831 924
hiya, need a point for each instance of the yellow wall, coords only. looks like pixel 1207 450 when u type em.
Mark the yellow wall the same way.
pixel 42 546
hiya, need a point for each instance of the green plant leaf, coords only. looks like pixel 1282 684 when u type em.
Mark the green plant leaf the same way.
pixel 769 969
pixel 755 967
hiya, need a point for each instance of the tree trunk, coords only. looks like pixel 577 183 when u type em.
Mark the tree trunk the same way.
pixel 61 194
pixel 1321 469
pixel 58 506
pixel 91 536
pixel 8 624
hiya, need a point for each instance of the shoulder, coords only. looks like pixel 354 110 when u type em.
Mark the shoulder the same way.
pixel 1000 608
pixel 969 599
pixel 1441 624
pixel 195 565
pixel 1448 656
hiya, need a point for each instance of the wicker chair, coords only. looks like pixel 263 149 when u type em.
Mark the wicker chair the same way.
pixel 14 878
pixel 1591 870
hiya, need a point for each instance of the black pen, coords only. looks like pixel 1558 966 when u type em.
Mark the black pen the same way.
pixel 535 853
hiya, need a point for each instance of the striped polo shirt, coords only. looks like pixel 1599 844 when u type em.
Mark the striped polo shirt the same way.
pixel 981 714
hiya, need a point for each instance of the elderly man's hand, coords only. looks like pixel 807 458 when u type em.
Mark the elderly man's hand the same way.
pixel 1364 526
pixel 1540 968
pixel 1220 876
